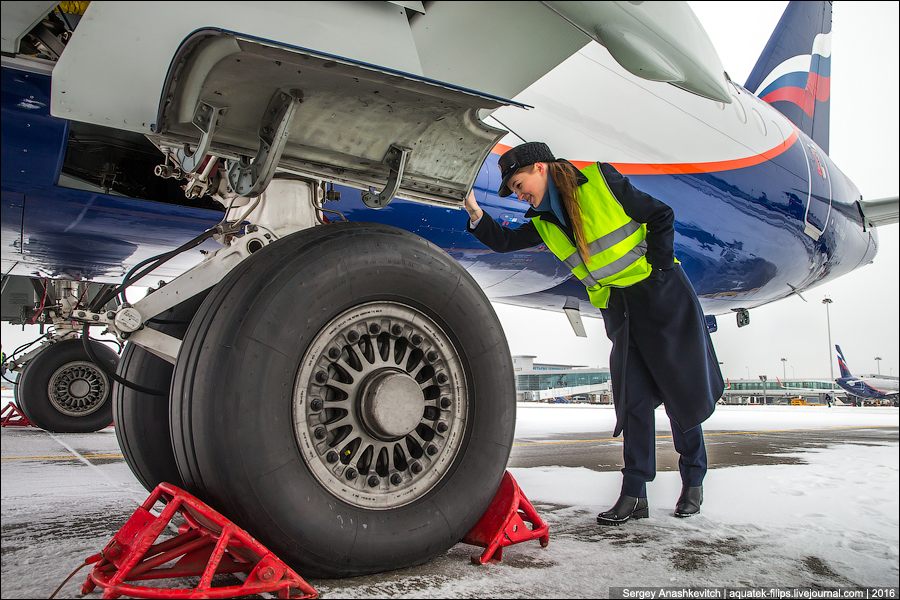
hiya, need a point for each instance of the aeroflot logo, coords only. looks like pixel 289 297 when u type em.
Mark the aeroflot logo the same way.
pixel 802 80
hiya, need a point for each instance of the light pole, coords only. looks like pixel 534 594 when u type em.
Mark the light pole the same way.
pixel 748 372
pixel 783 368
pixel 827 301
pixel 878 362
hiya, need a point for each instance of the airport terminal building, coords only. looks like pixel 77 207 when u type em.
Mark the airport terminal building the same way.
pixel 544 382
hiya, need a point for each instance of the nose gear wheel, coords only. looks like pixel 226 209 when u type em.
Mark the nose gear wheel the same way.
pixel 78 388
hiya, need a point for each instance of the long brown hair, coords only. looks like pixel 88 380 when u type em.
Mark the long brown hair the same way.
pixel 566 181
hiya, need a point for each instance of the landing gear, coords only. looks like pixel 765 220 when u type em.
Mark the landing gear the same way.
pixel 63 391
pixel 142 419
pixel 347 395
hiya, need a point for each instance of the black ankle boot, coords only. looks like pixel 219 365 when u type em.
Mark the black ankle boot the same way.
pixel 689 502
pixel 626 507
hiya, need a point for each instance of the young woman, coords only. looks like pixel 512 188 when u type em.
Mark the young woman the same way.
pixel 619 242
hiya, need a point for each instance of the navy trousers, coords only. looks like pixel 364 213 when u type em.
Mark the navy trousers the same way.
pixel 662 354
pixel 639 432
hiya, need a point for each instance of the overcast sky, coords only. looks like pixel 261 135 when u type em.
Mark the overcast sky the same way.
pixel 864 137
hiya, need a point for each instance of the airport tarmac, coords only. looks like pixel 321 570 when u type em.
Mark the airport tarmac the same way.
pixel 805 506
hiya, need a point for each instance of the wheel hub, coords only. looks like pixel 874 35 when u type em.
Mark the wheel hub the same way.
pixel 78 388
pixel 380 405
pixel 392 405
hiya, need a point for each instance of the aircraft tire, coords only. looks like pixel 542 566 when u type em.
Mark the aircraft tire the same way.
pixel 142 420
pixel 284 386
pixel 63 391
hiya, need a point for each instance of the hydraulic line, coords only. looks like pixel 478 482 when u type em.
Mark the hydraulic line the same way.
pixel 86 341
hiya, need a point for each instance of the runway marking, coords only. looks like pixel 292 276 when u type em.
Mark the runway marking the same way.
pixel 63 457
pixel 705 434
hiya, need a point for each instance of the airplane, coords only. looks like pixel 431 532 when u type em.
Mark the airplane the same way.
pixel 866 388
pixel 320 360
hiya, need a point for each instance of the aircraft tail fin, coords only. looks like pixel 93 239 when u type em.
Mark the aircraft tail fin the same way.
pixel 793 73
pixel 842 363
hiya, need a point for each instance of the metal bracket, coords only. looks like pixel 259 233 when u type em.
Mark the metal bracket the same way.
pixel 573 312
pixel 251 179
pixel 395 159
pixel 206 119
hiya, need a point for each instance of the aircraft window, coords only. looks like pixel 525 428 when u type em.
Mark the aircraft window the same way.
pixel 739 109
pixel 757 118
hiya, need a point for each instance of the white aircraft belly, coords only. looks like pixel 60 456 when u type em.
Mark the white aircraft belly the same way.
pixel 114 67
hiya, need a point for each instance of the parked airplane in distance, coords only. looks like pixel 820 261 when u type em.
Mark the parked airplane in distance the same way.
pixel 867 388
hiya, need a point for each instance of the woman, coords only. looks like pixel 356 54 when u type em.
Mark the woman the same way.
pixel 619 242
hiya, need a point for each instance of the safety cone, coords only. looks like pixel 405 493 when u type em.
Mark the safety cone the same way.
pixel 503 524
pixel 207 544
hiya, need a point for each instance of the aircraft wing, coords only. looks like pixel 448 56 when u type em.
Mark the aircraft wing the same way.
pixel 884 211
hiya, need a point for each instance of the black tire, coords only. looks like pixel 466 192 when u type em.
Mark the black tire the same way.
pixel 142 420
pixel 63 391
pixel 244 415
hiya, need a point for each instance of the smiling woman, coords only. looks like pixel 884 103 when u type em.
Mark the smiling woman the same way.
pixel 618 241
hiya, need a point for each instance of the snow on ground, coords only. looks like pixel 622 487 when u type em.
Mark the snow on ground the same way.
pixel 536 421
pixel 831 521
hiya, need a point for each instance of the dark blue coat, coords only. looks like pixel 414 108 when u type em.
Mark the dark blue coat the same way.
pixel 659 318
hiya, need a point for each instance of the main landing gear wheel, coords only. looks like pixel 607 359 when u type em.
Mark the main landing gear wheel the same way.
pixel 63 391
pixel 142 420
pixel 347 395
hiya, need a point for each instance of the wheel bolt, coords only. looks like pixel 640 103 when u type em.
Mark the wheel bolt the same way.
pixel 432 356
pixel 431 450
pixel 442 378
pixel 374 328
pixel 320 433
pixel 396 330
pixel 396 479
pixel 442 427
pixel 445 402
pixel 350 474
pixel 373 481
pixel 416 468
pixel 353 337
pixel 332 457
pixel 316 404
pixel 321 377
pixel 334 353
pixel 416 339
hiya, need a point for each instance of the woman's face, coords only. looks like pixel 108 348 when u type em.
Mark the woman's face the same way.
pixel 529 184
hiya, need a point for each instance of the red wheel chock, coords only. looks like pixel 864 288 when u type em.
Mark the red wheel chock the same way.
pixel 207 544
pixel 503 524
pixel 13 417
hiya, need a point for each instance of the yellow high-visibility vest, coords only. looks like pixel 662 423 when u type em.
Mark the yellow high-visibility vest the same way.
pixel 616 243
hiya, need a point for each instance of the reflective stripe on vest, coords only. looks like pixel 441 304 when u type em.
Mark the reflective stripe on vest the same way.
pixel 616 245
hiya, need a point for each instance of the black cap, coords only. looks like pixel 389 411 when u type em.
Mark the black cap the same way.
pixel 521 156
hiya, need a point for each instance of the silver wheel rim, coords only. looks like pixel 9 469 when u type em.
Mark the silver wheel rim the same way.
pixel 78 389
pixel 380 405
